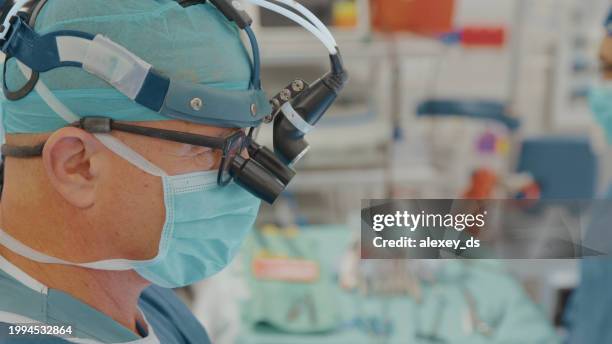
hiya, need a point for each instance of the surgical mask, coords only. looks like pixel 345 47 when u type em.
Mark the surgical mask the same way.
pixel 600 101
pixel 205 226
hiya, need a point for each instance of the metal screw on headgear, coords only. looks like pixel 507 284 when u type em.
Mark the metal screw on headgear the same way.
pixel 285 95
pixel 297 85
pixel 253 110
pixel 196 104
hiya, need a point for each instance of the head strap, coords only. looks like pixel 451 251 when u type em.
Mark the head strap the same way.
pixel 134 77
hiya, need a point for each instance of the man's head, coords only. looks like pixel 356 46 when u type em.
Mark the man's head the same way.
pixel 92 198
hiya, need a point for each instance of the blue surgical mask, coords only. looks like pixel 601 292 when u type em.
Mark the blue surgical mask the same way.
pixel 600 101
pixel 204 228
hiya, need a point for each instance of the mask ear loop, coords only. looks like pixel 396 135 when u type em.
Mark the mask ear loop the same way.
pixel 128 154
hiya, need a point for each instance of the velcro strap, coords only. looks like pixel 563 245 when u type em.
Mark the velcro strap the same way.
pixel 116 65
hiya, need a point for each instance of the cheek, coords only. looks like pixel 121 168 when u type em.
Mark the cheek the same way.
pixel 207 161
pixel 191 163
pixel 135 209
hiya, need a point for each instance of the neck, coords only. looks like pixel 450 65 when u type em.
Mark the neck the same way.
pixel 114 293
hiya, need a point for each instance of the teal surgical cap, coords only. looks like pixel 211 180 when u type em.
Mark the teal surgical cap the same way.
pixel 196 44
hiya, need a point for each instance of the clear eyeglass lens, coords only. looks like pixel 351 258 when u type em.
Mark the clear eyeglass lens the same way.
pixel 235 148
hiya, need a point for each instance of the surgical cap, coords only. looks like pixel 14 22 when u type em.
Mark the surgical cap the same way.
pixel 195 44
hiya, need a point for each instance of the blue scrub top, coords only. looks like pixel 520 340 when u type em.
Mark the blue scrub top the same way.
pixel 589 312
pixel 23 300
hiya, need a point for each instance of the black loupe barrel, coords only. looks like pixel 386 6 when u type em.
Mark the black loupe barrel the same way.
pixel 256 179
pixel 266 158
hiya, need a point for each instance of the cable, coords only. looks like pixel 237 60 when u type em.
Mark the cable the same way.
pixel 310 16
pixel 329 44
pixel 256 58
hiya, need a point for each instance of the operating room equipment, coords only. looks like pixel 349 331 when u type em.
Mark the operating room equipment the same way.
pixel 546 157
pixel 476 324
pixel 398 16
pixel 386 279
pixel 290 290
pixel 466 137
pixel 432 335
pixel 294 110
pixel 368 317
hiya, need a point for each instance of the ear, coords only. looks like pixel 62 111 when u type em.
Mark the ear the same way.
pixel 68 158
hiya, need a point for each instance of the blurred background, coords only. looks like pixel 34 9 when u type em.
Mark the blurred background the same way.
pixel 447 99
